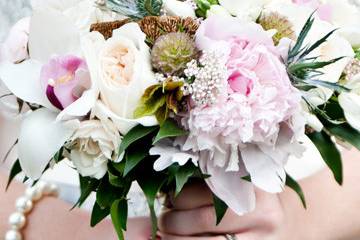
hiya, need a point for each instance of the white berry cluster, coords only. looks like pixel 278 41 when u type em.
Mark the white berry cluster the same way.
pixel 352 69
pixel 209 76
pixel 159 77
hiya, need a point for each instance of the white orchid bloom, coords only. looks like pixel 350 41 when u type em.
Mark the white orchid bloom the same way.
pixel 42 131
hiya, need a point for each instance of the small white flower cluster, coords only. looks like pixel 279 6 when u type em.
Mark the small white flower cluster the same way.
pixel 159 77
pixel 209 76
pixel 352 69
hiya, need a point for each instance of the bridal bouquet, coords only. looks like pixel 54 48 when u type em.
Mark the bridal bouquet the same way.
pixel 166 92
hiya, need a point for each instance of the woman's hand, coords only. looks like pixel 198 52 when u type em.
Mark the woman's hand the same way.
pixel 193 218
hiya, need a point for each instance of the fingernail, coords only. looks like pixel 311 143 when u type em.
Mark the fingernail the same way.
pixel 157 237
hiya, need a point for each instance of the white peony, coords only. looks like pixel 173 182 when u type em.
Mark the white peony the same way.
pixel 178 8
pixel 121 68
pixel 93 145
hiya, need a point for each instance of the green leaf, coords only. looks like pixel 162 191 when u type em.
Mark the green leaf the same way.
pixel 300 41
pixel 135 134
pixel 169 129
pixel 291 183
pixel 119 215
pixel 59 155
pixel 357 53
pixel 15 170
pixel 107 193
pixel 133 158
pixel 317 44
pixel 220 209
pixel 295 67
pixel 149 7
pixel 182 176
pixel 87 186
pixel 114 179
pixel 150 107
pixel 345 132
pixel 98 214
pixel 151 185
pixel 333 86
pixel 329 153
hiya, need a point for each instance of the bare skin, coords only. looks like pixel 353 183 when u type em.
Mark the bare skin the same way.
pixel 51 219
pixel 332 214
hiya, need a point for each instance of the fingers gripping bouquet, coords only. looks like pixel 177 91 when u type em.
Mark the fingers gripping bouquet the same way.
pixel 166 92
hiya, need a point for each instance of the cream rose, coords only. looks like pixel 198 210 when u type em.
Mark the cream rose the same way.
pixel 121 68
pixel 93 145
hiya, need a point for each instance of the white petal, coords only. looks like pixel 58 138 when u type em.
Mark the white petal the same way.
pixel 58 36
pixel 352 34
pixel 80 107
pixel 237 193
pixel 23 80
pixel 162 163
pixel 264 172
pixel 178 8
pixel 89 166
pixel 350 102
pixel 40 138
pixel 123 124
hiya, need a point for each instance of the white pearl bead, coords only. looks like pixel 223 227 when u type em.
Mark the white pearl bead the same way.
pixel 33 193
pixel 17 220
pixel 24 204
pixel 13 235
pixel 53 190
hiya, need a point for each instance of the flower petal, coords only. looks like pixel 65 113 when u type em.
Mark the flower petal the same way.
pixel 44 42
pixel 350 102
pixel 123 124
pixel 40 138
pixel 80 107
pixel 222 184
pixel 265 173
pixel 23 80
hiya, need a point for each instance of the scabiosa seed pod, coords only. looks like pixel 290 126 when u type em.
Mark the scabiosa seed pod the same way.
pixel 279 23
pixel 171 53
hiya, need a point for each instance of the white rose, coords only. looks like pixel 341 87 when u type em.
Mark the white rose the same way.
pixel 350 102
pixel 121 68
pixel 178 8
pixel 244 9
pixel 217 10
pixel 82 13
pixel 93 145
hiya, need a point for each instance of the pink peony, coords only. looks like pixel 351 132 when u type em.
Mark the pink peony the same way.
pixel 64 79
pixel 254 129
pixel 15 47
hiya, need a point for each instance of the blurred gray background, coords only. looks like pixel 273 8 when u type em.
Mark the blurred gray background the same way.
pixel 10 12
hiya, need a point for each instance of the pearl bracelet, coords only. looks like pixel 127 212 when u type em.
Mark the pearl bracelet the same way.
pixel 24 205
